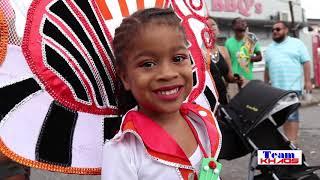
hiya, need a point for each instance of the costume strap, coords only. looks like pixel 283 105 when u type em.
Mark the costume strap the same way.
pixel 196 136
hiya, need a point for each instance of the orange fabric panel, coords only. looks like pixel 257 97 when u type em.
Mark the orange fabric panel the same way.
pixel 46 166
pixel 159 3
pixel 104 9
pixel 4 37
pixel 140 4
pixel 128 126
pixel 124 8
pixel 187 174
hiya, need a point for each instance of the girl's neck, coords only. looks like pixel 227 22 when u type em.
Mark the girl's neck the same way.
pixel 169 121
pixel 176 126
pixel 164 119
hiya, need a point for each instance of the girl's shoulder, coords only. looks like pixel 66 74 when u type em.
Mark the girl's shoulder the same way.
pixel 124 141
pixel 196 111
pixel 123 157
pixel 124 147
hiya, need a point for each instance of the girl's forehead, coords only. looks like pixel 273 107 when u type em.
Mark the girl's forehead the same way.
pixel 157 38
pixel 159 27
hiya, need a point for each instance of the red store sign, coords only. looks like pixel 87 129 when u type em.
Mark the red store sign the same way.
pixel 243 7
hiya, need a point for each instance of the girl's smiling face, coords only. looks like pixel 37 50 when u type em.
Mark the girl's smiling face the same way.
pixel 158 70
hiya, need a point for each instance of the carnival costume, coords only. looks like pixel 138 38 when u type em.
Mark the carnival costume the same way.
pixel 148 155
pixel 58 108
pixel 4 35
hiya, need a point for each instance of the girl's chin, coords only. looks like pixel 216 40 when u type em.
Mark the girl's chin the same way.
pixel 167 108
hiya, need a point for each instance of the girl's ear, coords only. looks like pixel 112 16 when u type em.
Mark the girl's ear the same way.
pixel 124 80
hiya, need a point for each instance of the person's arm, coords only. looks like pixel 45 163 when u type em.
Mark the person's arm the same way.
pixel 230 78
pixel 226 56
pixel 258 54
pixel 266 76
pixel 307 79
pixel 266 69
pixel 257 57
pixel 305 61
pixel 117 162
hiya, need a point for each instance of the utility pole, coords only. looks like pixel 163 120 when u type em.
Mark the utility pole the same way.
pixel 292 27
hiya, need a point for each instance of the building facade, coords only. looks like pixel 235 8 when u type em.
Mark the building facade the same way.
pixel 261 15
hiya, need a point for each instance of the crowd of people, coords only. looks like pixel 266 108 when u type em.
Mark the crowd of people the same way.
pixel 287 62
pixel 170 74
pixel 155 72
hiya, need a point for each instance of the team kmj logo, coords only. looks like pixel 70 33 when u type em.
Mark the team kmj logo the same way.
pixel 279 157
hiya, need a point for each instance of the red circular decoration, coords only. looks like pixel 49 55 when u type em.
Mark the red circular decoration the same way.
pixel 212 165
pixel 194 6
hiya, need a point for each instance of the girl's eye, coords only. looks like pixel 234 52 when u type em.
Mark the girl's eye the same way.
pixel 147 64
pixel 180 58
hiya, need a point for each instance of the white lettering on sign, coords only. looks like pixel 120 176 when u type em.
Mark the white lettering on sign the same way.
pixel 243 7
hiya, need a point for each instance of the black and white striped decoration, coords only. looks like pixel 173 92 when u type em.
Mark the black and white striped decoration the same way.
pixel 57 99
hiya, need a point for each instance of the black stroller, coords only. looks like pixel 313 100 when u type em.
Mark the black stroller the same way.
pixel 250 122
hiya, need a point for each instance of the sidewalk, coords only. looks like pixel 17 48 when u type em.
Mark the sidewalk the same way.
pixel 315 98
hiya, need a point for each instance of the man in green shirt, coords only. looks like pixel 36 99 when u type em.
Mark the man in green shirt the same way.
pixel 236 47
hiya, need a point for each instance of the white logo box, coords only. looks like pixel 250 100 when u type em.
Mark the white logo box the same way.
pixel 279 157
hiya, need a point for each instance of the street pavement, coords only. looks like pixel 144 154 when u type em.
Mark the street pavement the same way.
pixel 309 143
pixel 314 100
pixel 238 169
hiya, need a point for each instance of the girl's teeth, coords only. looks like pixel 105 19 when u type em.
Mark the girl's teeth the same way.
pixel 169 92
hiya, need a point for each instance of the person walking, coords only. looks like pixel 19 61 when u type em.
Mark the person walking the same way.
pixel 234 46
pixel 220 65
pixel 287 61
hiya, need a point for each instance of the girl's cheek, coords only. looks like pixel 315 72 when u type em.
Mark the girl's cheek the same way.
pixel 188 76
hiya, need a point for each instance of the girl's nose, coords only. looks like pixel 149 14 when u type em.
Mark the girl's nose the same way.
pixel 167 72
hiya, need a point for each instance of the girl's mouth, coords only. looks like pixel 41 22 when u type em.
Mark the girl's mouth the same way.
pixel 168 93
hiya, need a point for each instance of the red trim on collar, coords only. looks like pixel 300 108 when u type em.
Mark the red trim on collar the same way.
pixel 158 140
pixel 210 124
pixel 154 136
pixel 188 174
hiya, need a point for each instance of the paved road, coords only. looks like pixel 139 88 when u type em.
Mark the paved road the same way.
pixel 309 143
pixel 237 169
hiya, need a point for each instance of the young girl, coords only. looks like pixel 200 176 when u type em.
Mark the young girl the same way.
pixel 160 137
